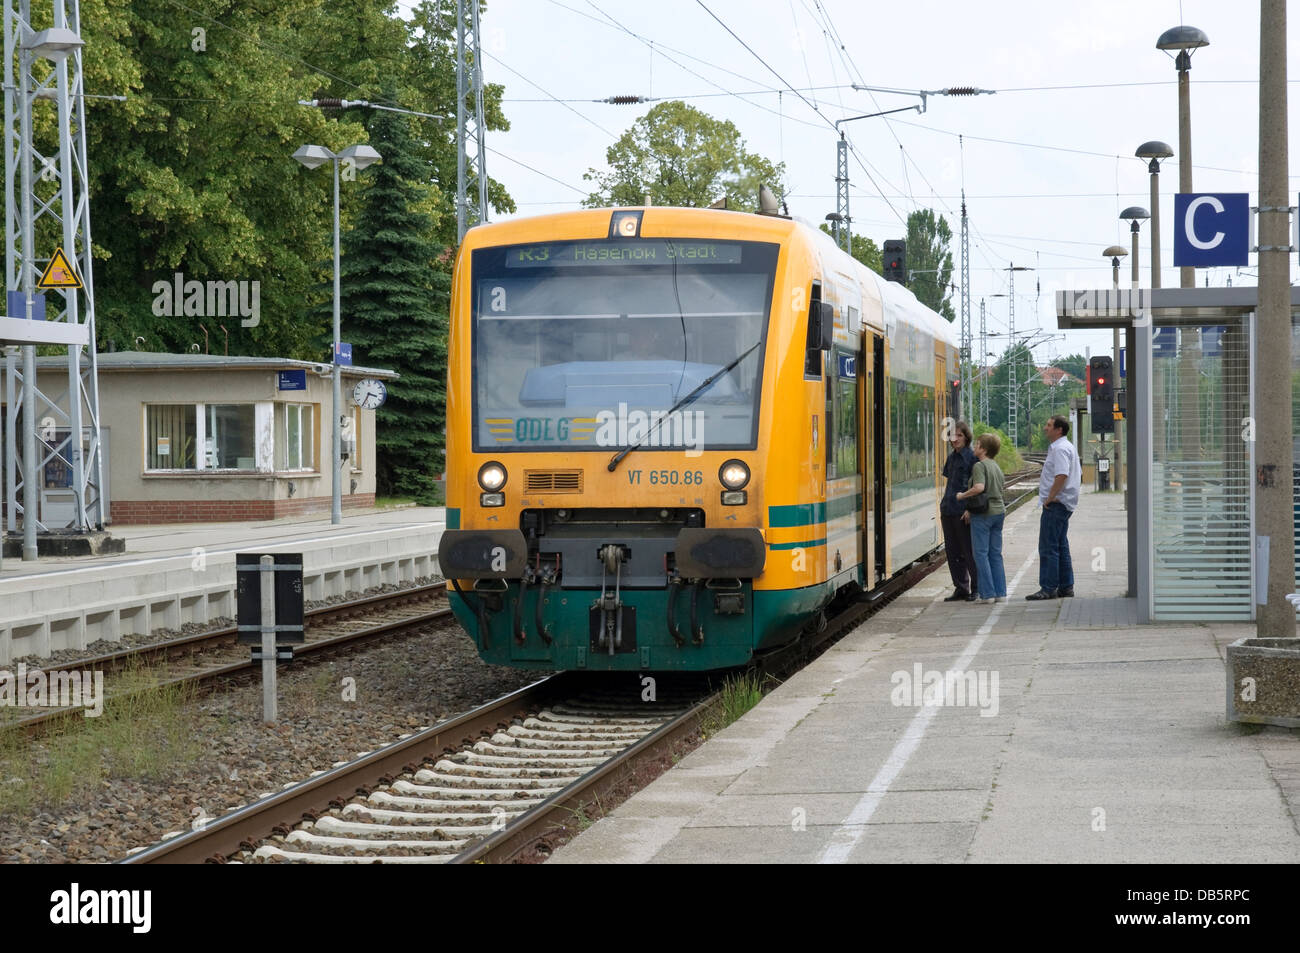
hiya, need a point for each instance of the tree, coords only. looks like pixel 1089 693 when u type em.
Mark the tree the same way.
pixel 929 262
pixel 1076 365
pixel 865 251
pixel 396 298
pixel 680 156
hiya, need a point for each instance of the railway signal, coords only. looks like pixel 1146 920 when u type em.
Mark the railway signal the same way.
pixel 1101 394
pixel 895 259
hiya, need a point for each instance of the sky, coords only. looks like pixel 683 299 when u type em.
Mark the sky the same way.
pixel 1046 161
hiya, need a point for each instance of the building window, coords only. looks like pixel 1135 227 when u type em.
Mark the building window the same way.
pixel 296 433
pixel 170 436
pixel 230 439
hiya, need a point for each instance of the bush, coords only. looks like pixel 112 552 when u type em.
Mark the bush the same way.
pixel 1008 457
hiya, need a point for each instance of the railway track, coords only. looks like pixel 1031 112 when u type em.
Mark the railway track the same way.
pixel 493 783
pixel 209 657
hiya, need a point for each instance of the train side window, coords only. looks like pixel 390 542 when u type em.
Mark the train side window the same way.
pixel 844 438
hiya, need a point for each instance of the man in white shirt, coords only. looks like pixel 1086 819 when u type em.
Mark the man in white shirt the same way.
pixel 1058 494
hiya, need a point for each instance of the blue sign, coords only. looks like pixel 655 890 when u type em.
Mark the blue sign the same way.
pixel 16 305
pixel 1123 362
pixel 343 356
pixel 1211 228
pixel 291 380
pixel 1212 340
pixel 1164 342
pixel 848 365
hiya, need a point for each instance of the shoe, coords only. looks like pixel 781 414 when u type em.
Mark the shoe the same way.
pixel 1065 593
pixel 999 598
pixel 958 595
pixel 973 598
pixel 988 602
pixel 1041 594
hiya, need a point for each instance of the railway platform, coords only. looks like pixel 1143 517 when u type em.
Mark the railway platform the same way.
pixel 1080 737
pixel 175 574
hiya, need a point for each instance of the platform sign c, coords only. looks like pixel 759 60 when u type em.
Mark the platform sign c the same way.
pixel 1211 229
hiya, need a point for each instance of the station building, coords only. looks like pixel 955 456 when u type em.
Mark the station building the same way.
pixel 207 437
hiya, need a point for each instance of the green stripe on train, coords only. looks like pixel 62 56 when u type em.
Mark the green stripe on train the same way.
pixel 810 514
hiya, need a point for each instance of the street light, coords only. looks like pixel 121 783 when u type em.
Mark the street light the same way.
pixel 1115 253
pixel 1135 215
pixel 1184 39
pixel 1154 151
pixel 358 157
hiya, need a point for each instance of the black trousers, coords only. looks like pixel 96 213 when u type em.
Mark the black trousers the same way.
pixel 961 557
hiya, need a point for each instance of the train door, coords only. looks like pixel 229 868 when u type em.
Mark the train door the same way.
pixel 875 486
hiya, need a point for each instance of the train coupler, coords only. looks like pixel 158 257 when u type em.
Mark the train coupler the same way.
pixel 610 604
pixel 548 575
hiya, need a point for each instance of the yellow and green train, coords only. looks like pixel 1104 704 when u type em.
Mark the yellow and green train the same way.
pixel 675 436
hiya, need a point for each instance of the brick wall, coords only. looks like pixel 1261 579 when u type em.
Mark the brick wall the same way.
pixel 216 511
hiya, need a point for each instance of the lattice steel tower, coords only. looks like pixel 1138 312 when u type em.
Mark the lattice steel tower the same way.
pixel 984 356
pixel 47 205
pixel 469 128
pixel 967 398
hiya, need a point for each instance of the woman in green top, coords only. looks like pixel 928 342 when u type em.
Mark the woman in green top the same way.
pixel 986 528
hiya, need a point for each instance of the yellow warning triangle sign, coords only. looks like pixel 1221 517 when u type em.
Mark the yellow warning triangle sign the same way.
pixel 59 273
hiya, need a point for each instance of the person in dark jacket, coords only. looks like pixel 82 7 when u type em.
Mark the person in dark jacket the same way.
pixel 952 512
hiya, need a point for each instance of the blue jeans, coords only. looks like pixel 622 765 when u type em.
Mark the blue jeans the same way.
pixel 1054 569
pixel 986 541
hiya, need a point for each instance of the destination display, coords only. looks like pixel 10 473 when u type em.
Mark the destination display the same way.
pixel 585 254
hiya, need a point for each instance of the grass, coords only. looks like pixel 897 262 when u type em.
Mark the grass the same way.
pixel 146 730
pixel 388 502
pixel 739 694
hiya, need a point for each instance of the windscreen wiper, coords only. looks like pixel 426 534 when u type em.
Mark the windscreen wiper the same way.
pixel 703 386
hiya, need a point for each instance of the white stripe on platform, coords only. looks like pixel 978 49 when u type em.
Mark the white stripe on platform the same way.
pixel 852 828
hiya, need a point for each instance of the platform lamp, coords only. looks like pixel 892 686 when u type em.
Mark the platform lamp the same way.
pixel 1115 253
pixel 1184 40
pixel 1154 151
pixel 358 157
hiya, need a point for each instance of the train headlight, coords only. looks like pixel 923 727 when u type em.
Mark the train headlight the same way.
pixel 492 476
pixel 734 474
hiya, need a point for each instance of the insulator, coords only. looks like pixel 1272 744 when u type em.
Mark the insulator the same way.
pixel 623 100
pixel 960 91
pixel 330 103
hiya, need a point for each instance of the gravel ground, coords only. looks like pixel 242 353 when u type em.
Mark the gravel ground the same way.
pixel 232 759
pixel 159 636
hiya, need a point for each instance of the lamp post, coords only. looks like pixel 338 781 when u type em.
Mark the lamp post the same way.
pixel 1136 215
pixel 1115 253
pixel 1154 151
pixel 358 157
pixel 1184 39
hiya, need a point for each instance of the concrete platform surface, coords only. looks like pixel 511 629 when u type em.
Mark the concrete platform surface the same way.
pixel 177 574
pixel 1072 735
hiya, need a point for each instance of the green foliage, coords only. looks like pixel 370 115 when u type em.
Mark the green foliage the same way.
pixel 396 296
pixel 1036 399
pixel 1008 458
pixel 929 262
pixel 864 250
pixel 680 156
pixel 193 172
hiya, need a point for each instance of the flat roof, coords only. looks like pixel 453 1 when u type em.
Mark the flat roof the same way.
pixel 1109 308
pixel 151 361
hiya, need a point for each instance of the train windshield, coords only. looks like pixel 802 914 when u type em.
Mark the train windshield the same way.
pixel 589 345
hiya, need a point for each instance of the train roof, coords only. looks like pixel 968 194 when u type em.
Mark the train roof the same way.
pixel 898 302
